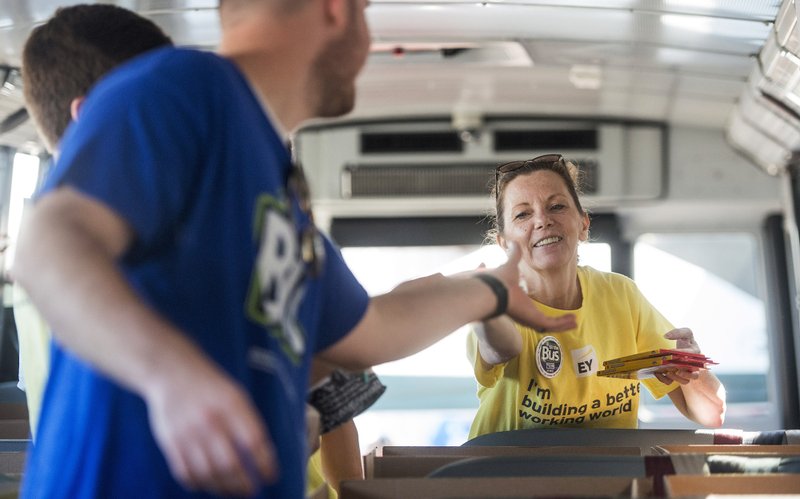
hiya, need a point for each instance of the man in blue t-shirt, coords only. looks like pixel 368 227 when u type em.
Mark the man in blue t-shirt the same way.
pixel 63 58
pixel 173 251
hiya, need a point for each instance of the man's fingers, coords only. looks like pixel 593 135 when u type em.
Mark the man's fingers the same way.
pixel 257 452
pixel 265 464
pixel 220 465
pixel 230 469
pixel 180 468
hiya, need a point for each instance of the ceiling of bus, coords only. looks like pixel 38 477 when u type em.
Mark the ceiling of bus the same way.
pixel 679 61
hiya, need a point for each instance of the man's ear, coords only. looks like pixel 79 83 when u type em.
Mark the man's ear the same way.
pixel 75 107
pixel 337 13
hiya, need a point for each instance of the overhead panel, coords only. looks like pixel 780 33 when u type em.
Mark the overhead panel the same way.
pixel 424 167
pixel 752 142
pixel 760 104
pixel 765 125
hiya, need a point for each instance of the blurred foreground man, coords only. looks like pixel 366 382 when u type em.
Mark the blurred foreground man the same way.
pixel 174 254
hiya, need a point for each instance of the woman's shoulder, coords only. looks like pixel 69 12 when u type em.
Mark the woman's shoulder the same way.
pixel 598 278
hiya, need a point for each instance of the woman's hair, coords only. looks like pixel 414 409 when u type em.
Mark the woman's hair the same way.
pixel 565 169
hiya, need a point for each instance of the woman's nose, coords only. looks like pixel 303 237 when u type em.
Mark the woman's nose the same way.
pixel 541 221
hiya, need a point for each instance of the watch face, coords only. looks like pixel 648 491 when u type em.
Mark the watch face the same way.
pixel 549 356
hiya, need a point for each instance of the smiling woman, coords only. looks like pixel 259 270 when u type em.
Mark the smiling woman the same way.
pixel 529 378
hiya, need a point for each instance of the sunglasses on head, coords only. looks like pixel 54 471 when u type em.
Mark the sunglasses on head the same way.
pixel 546 159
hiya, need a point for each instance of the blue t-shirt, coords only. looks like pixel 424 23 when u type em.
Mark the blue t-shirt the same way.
pixel 177 144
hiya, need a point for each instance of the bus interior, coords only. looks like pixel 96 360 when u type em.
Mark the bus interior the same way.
pixel 683 115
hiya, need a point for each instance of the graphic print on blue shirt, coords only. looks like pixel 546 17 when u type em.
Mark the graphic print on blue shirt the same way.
pixel 277 284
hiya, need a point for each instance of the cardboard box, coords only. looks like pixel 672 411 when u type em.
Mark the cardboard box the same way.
pixel 506 451
pixel 608 437
pixel 407 462
pixel 405 466
pixel 487 488
pixel 744 450
pixel 693 485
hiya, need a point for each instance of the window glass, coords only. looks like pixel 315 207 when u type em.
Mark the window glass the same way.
pixel 710 284
pixel 431 398
pixel 24 177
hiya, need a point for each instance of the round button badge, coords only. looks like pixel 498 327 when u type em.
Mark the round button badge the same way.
pixel 549 356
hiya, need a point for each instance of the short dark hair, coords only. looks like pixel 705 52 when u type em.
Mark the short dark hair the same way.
pixel 64 57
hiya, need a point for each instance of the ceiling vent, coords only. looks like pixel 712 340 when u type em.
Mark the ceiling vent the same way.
pixel 416 180
pixel 427 168
pixel 412 142
pixel 555 140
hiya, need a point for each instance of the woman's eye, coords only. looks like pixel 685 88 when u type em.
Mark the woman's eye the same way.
pixel 520 215
pixel 557 207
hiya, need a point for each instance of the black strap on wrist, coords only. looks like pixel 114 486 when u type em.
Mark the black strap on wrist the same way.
pixel 500 292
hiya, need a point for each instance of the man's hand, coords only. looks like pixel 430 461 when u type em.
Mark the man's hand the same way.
pixel 520 307
pixel 211 434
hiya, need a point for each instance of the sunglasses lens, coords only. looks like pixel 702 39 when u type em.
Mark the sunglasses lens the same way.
pixel 510 167
pixel 516 165
pixel 547 158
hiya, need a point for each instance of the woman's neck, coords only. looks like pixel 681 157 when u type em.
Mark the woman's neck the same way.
pixel 561 290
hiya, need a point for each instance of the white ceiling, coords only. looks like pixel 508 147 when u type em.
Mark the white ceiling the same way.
pixel 684 62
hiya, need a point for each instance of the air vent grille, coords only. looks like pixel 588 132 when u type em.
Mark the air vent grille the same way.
pixel 545 140
pixel 417 142
pixel 417 180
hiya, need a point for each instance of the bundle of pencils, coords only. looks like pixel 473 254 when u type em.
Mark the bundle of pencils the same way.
pixel 646 364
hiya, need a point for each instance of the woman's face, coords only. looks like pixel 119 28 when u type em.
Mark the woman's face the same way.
pixel 540 216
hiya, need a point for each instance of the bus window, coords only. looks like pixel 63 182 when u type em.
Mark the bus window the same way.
pixel 712 283
pixel 431 397
pixel 24 177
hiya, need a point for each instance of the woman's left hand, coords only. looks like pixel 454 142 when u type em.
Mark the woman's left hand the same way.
pixel 682 376
pixel 684 340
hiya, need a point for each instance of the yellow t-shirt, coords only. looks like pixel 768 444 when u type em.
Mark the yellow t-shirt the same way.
pixel 315 478
pixel 553 382
pixel 34 353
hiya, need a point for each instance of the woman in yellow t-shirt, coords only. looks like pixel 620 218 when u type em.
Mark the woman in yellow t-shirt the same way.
pixel 540 379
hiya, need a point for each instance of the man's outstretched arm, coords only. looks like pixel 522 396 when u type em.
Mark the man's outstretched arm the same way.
pixel 204 423
pixel 419 313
